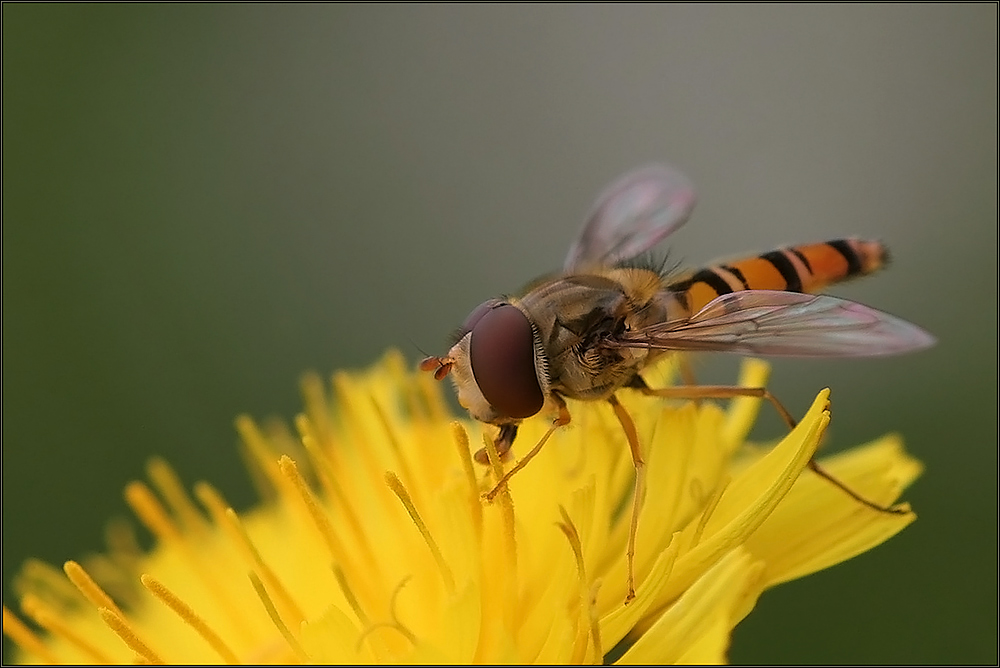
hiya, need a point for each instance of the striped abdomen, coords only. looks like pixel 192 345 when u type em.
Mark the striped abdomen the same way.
pixel 807 268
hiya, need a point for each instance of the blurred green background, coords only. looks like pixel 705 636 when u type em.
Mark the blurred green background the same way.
pixel 202 202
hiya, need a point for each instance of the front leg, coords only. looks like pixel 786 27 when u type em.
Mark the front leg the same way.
pixel 503 444
pixel 561 420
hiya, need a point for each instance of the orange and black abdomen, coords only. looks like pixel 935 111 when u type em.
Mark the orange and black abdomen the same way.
pixel 806 268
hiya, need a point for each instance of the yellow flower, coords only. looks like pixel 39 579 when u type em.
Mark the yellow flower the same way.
pixel 373 543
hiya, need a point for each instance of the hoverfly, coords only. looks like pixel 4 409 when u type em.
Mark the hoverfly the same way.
pixel 590 330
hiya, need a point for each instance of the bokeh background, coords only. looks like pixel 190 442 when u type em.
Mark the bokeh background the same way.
pixel 202 202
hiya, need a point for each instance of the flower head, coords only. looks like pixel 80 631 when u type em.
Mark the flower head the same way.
pixel 374 544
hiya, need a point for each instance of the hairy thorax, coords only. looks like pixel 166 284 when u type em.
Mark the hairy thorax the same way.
pixel 580 317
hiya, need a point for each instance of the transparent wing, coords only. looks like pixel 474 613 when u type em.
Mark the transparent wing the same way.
pixel 768 322
pixel 633 214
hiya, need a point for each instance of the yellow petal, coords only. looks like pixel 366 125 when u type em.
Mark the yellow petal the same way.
pixel 377 545
pixel 818 525
pixel 743 411
pixel 334 639
pixel 697 624
pixel 749 499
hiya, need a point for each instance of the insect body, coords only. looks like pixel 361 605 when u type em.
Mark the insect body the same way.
pixel 590 330
pixel 807 268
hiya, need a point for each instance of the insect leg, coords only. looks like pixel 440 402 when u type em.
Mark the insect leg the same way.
pixel 503 443
pixel 818 470
pixel 562 419
pixel 713 392
pixel 733 391
pixel 640 488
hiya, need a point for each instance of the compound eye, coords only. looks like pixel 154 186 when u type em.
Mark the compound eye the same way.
pixel 474 317
pixel 502 355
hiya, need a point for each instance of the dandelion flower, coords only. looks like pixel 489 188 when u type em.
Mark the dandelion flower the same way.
pixel 373 542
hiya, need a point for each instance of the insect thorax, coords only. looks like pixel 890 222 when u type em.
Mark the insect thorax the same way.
pixel 578 318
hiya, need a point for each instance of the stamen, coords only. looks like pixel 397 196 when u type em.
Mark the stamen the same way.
pixel 318 516
pixel 258 479
pixel 151 513
pixel 189 616
pixel 54 624
pixel 260 457
pixel 276 619
pixel 572 535
pixel 493 457
pixel 228 520
pixel 121 627
pixel 317 406
pixel 588 596
pixel 356 410
pixel 89 588
pixel 393 440
pixel 461 438
pixel 328 478
pixel 502 492
pixel 154 516
pixel 394 622
pixel 397 488
pixel 393 600
pixel 352 600
pixel 212 500
pixel 250 550
pixel 25 638
pixel 172 490
pixel 49 583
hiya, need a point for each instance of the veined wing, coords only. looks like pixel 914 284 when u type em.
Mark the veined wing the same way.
pixel 631 216
pixel 774 323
